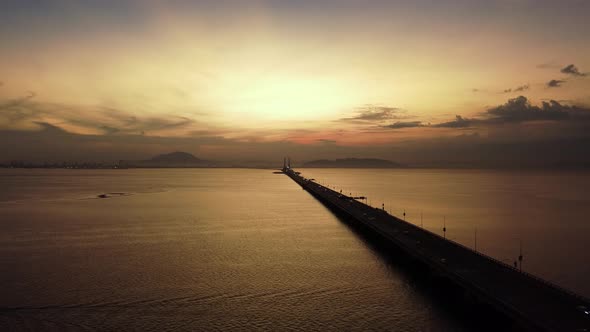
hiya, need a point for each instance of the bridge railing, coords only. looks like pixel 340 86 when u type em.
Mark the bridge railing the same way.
pixel 503 264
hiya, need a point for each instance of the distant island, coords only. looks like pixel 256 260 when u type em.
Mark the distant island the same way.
pixel 352 163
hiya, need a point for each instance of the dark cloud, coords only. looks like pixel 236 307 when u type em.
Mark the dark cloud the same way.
pixel 519 109
pixel 23 113
pixel 514 111
pixel 160 123
pixel 572 70
pixel 406 124
pixel 555 83
pixel 518 89
pixel 132 125
pixel 376 114
pixel 17 101
pixel 49 128
pixel 459 122
pixel 109 130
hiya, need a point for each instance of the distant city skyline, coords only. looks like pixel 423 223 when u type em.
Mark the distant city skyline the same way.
pixel 454 82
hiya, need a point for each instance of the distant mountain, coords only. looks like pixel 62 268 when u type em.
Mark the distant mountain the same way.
pixel 176 157
pixel 352 163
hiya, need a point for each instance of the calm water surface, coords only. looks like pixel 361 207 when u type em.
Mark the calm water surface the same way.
pixel 215 249
pixel 203 249
pixel 548 212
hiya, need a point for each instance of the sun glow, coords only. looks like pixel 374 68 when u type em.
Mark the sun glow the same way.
pixel 275 97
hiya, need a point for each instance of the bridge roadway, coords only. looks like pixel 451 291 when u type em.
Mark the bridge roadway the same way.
pixel 530 302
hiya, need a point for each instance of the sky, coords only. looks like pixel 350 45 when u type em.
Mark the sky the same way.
pixel 463 82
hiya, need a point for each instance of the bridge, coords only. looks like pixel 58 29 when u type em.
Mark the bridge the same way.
pixel 528 301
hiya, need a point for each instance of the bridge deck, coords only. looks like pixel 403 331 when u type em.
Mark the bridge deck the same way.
pixel 530 301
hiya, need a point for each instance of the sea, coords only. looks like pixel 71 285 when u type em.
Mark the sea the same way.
pixel 248 249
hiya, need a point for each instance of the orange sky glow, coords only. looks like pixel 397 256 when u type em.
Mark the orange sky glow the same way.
pixel 344 73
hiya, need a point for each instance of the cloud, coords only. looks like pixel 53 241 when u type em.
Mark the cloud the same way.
pixel 376 114
pixel 572 70
pixel 519 109
pixel 17 101
pixel 407 124
pixel 47 127
pixel 555 83
pixel 23 113
pixel 111 125
pixel 459 122
pixel 514 111
pixel 326 141
pixel 519 88
pixel 109 130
